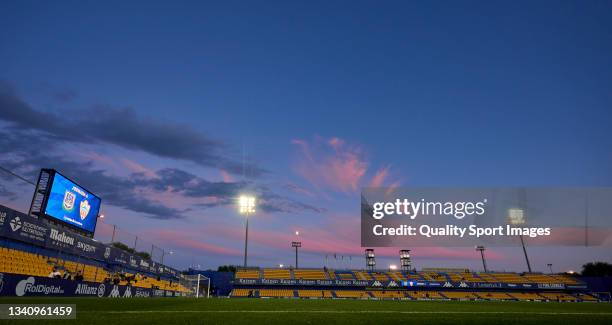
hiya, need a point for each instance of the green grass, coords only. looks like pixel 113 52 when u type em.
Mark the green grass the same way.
pixel 110 311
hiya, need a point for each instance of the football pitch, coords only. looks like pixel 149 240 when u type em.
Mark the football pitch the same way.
pixel 296 311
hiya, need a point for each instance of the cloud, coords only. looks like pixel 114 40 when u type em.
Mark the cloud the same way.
pixel 340 236
pixel 167 193
pixel 298 189
pixel 226 176
pixel 4 192
pixel 137 168
pixel 181 240
pixel 379 178
pixel 271 202
pixel 334 164
pixel 331 164
pixel 122 127
pixel 30 151
pixel 182 182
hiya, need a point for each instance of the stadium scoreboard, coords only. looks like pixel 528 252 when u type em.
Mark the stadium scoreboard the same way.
pixel 66 202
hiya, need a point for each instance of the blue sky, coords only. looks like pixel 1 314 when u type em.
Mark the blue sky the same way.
pixel 324 97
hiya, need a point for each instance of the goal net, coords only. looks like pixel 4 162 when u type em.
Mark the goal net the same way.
pixel 198 285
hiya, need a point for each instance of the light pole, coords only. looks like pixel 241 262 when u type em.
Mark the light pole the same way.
pixel 164 253
pixel 550 267
pixel 296 244
pixel 484 263
pixel 246 207
pixel 517 218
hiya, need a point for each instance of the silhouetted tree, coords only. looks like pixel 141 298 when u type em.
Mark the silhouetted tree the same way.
pixel 123 246
pixel 597 269
pixel 227 268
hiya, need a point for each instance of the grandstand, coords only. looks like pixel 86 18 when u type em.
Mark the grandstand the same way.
pixel 15 261
pixel 82 260
pixel 27 251
pixel 429 284
pixel 467 277
pixel 107 265
pixel 19 262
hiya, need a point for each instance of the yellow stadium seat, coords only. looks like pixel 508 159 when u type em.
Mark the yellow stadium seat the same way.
pixel 309 274
pixel 277 293
pixel 352 294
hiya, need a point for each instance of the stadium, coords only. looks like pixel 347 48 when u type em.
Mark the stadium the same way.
pixel 305 162
pixel 49 258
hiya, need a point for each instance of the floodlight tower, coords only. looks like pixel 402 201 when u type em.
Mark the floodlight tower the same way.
pixel 517 218
pixel 370 259
pixel 405 261
pixel 484 262
pixel 296 244
pixel 246 207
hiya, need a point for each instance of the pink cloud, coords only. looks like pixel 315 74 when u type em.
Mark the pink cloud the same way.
pixel 96 157
pixel 336 143
pixel 379 178
pixel 334 164
pixel 226 176
pixel 391 189
pixel 180 240
pixel 138 168
pixel 338 235
pixel 331 164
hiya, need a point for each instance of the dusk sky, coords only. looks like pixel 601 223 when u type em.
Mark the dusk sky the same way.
pixel 169 110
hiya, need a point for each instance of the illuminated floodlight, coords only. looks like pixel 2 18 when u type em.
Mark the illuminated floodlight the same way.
pixel 392 267
pixel 246 204
pixel 516 216
pixel 297 233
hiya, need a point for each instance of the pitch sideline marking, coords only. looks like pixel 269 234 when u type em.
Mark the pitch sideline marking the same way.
pixel 348 312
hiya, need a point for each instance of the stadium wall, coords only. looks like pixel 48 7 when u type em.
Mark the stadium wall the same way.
pixel 599 284
pixel 13 285
pixel 221 282
pixel 408 284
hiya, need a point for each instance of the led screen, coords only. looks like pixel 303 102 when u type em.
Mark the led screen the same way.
pixel 72 204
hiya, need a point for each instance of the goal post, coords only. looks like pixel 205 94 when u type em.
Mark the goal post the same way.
pixel 198 284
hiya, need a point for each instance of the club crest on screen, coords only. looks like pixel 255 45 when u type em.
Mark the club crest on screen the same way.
pixel 84 209
pixel 69 199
